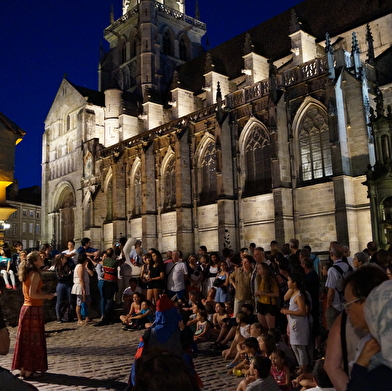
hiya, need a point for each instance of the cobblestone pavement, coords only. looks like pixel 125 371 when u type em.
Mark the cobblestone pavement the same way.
pixel 99 358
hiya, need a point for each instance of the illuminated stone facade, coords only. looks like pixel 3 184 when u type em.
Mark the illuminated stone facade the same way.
pixel 264 137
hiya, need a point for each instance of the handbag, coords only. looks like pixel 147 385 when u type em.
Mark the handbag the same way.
pixel 83 309
pixel 218 282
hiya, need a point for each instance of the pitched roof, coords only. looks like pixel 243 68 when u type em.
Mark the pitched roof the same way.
pixel 272 39
pixel 94 97
pixel 10 125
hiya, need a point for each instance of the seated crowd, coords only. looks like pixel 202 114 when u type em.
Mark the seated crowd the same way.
pixel 270 316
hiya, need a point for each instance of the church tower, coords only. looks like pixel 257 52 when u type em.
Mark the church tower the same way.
pixel 147 42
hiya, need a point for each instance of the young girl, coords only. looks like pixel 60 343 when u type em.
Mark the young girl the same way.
pixel 5 265
pixel 202 333
pixel 279 370
pixel 242 332
pixel 298 320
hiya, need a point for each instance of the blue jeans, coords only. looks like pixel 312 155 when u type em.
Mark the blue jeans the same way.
pixel 103 300
pixel 180 295
pixel 63 291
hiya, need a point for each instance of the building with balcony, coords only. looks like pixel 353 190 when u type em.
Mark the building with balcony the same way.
pixel 268 136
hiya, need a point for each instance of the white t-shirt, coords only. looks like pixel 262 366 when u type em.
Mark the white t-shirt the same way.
pixel 176 277
pixel 74 258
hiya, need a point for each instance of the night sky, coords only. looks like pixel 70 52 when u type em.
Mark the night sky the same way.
pixel 42 40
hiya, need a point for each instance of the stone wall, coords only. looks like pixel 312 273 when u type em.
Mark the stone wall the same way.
pixel 11 301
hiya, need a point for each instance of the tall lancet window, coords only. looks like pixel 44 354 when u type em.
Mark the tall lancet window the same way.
pixel 208 175
pixel 170 185
pixel 166 43
pixel 109 202
pixel 137 193
pixel 314 145
pixel 257 162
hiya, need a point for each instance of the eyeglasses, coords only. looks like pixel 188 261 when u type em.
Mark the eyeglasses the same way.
pixel 346 304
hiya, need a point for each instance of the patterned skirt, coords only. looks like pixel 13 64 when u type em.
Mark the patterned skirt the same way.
pixel 30 347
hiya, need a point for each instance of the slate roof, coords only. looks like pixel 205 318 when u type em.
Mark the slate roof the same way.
pixel 272 40
pixel 94 97
pixel 10 125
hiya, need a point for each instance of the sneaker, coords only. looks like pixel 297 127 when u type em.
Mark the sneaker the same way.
pixel 8 286
pixel 231 365
pixel 14 287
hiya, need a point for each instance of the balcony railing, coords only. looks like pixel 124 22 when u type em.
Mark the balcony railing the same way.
pixel 162 8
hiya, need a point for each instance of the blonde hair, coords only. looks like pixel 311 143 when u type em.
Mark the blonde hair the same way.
pixel 27 266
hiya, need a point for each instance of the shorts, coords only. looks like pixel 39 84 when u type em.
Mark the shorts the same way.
pixel 79 299
pixel 265 309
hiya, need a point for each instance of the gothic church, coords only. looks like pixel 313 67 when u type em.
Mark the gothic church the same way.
pixel 283 131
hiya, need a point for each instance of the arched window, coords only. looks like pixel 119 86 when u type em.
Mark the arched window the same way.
pixel 137 193
pixel 109 202
pixel 68 126
pixel 170 185
pixel 208 175
pixel 385 149
pixel 124 53
pixel 314 145
pixel 257 162
pixel 167 43
pixel 183 48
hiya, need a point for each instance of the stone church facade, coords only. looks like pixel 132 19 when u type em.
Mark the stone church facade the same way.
pixel 271 135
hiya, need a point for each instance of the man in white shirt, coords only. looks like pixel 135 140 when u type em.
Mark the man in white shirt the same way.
pixel 177 273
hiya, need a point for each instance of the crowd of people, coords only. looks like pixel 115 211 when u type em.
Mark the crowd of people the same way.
pixel 271 315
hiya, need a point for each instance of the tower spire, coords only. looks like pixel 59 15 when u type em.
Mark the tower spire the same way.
pixel 197 10
pixel 370 51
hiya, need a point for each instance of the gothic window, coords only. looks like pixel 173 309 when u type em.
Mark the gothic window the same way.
pixel 68 122
pixel 170 185
pixel 314 145
pixel 208 192
pixel 385 149
pixel 137 193
pixel 109 203
pixel 257 162
pixel 183 49
pixel 124 53
pixel 167 43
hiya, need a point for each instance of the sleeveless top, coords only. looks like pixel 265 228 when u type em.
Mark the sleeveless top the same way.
pixel 28 301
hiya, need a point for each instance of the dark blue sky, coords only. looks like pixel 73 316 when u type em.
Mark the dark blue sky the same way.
pixel 42 40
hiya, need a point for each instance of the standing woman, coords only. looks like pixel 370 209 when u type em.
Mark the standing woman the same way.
pixel 81 287
pixel 30 348
pixel 64 285
pixel 298 319
pixel 155 277
pixel 221 295
pixel 267 295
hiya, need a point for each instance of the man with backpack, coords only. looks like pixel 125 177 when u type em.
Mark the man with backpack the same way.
pixel 335 283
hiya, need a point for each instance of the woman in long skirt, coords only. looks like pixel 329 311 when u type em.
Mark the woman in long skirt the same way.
pixel 30 349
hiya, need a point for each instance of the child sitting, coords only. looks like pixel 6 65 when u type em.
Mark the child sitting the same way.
pixel 260 369
pixel 242 332
pixel 203 330
pixel 251 351
pixel 139 320
pixel 279 370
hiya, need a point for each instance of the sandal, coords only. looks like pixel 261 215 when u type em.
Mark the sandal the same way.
pixel 80 323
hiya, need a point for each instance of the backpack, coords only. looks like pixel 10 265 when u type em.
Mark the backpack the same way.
pixel 340 284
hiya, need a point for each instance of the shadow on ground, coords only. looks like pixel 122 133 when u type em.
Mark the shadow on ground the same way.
pixel 78 381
